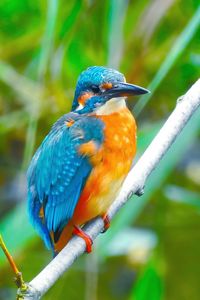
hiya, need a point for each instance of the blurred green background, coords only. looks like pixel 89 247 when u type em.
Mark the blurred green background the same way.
pixel 152 250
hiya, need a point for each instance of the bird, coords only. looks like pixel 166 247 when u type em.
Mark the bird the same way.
pixel 80 166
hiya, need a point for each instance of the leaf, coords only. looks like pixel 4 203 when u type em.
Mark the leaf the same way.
pixel 177 49
pixel 149 285
pixel 117 13
pixel 48 38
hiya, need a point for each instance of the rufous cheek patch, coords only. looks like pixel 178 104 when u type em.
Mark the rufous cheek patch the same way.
pixel 82 99
pixel 106 85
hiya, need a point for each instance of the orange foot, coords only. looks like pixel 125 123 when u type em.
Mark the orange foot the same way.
pixel 106 221
pixel 78 231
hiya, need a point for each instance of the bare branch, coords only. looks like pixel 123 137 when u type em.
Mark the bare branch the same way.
pixel 134 184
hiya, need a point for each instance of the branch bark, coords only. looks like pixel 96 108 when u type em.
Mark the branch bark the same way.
pixel 134 184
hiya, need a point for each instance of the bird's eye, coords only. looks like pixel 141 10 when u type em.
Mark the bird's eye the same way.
pixel 95 88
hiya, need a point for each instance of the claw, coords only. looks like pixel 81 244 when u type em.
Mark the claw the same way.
pixel 106 221
pixel 88 241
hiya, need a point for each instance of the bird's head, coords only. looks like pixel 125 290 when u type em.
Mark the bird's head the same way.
pixel 98 85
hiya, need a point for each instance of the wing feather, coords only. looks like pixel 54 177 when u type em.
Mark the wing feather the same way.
pixel 57 173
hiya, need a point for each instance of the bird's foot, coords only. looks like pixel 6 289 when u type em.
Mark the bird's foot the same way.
pixel 106 221
pixel 88 241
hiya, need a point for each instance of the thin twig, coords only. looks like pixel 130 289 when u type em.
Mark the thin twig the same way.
pixel 134 184
pixel 18 275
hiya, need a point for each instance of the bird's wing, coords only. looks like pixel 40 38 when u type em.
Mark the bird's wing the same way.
pixel 58 172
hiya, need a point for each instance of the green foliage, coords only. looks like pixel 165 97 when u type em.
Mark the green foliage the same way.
pixel 175 52
pixel 149 285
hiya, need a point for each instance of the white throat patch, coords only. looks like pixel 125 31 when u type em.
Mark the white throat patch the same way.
pixel 111 106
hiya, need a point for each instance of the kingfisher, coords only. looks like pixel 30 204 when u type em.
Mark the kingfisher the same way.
pixel 80 166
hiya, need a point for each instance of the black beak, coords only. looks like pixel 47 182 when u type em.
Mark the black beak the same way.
pixel 122 89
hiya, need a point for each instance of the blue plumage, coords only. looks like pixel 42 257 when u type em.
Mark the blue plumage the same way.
pixel 57 173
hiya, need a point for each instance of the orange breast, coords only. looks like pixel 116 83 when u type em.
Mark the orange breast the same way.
pixel 111 164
